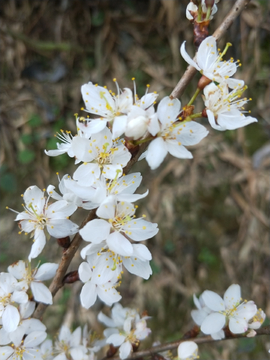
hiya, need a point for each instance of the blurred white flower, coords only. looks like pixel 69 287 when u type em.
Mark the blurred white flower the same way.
pixel 231 310
pixel 8 296
pixel 126 329
pixel 187 350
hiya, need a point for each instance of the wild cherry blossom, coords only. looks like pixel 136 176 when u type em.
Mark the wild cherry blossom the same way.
pixel 187 350
pixel 9 295
pixel 106 261
pixel 26 324
pixel 110 107
pixel 67 194
pixel 39 215
pixel 69 344
pixel 201 313
pixel 100 155
pixel 139 121
pixel 231 309
pixel 126 329
pixel 66 142
pixel 122 189
pixel 24 348
pixel 173 136
pixel 116 225
pixel 224 109
pixel 97 287
pixel 209 62
pixel 32 278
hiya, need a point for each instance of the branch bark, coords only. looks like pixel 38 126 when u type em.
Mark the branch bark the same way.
pixel 220 31
pixel 173 345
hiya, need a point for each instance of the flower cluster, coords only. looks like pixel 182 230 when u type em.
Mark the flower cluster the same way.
pixel 125 329
pixel 18 287
pixel 213 313
pixel 223 107
pixel 107 138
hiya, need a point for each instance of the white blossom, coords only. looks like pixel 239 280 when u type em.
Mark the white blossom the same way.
pixel 224 109
pixel 126 329
pixel 39 215
pixel 116 225
pixel 230 309
pixel 8 296
pixel 209 62
pixel 187 350
pixel 32 278
pixel 69 345
pixel 110 107
pixel 100 155
pixel 24 348
pixel 173 136
pixel 97 287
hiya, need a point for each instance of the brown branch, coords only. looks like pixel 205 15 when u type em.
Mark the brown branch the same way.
pixel 68 255
pixel 220 31
pixel 173 345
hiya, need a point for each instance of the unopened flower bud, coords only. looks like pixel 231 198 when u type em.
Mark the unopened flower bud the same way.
pixel 209 2
pixel 135 345
pixel 203 82
pixel 71 277
pixel 112 351
pixel 64 242
pixel 204 114
pixel 133 149
pixel 200 31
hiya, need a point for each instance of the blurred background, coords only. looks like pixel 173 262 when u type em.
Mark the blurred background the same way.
pixel 212 211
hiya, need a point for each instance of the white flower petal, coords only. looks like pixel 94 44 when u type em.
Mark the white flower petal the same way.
pixel 213 301
pixel 46 271
pixel 213 323
pixel 41 293
pixel 95 231
pixel 125 349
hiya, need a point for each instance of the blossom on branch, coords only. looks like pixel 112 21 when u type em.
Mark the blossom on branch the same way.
pixel 32 278
pixel 230 310
pixel 9 295
pixel 101 156
pixel 173 135
pixel 187 350
pixel 224 109
pixel 38 215
pixel 126 329
pixel 209 62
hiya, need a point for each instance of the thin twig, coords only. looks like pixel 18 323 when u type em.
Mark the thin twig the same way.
pixel 220 31
pixel 173 345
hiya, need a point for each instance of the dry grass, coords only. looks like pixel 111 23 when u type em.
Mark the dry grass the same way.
pixel 213 211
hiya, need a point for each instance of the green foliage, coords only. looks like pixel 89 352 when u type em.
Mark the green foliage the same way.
pixel 207 256
pixel 98 17
pixel 8 181
pixel 26 156
pixel 35 121
pixel 155 267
